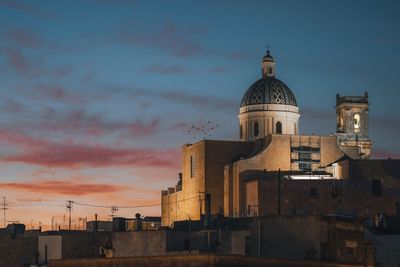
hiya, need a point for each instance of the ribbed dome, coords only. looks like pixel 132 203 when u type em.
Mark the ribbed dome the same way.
pixel 268 90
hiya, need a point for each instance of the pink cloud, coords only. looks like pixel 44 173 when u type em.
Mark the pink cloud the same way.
pixel 25 38
pixel 26 67
pixel 170 39
pixel 12 106
pixel 165 69
pixel 18 62
pixel 79 121
pixel 59 93
pixel 70 155
pixel 62 71
pixel 198 100
pixel 217 70
pixel 87 77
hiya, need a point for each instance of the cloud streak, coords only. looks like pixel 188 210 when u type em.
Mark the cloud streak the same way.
pixel 19 63
pixel 170 39
pixel 92 125
pixel 70 155
pixel 25 38
pixel 165 69
pixel 28 9
pixel 54 187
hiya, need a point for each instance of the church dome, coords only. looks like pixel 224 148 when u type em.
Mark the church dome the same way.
pixel 268 90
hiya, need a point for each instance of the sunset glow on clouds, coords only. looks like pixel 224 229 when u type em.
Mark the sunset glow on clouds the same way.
pixel 96 95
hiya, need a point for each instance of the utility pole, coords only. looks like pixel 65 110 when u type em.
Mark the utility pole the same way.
pixel 69 208
pixel 4 208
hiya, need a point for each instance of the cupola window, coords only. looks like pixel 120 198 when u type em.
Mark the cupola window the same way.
pixel 279 127
pixel 256 129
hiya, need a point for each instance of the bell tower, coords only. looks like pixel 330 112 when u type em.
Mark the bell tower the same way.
pixel 268 66
pixel 352 125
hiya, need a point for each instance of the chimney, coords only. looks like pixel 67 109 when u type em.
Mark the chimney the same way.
pixel 138 222
pixel 96 223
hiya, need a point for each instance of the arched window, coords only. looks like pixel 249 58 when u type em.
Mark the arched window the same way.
pixel 279 127
pixel 241 132
pixel 357 123
pixel 256 129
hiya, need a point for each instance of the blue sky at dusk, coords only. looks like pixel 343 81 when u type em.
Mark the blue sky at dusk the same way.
pixel 96 97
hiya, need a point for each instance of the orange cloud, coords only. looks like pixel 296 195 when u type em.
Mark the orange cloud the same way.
pixel 63 187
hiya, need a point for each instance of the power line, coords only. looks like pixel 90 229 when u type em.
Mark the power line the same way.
pixel 129 207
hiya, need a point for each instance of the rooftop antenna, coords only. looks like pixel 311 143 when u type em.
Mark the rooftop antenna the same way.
pixel 4 208
pixel 69 208
pixel 114 210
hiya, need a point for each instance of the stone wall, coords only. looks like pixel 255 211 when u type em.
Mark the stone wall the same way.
pixel 18 250
pixel 274 156
pixel 193 261
pixel 209 158
pixel 142 243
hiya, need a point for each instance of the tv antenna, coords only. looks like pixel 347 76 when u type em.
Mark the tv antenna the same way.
pixel 4 208
pixel 69 208
pixel 114 210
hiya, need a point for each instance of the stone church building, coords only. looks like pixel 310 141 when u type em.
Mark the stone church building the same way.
pixel 273 169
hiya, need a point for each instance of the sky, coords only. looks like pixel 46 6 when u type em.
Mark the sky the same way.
pixel 97 96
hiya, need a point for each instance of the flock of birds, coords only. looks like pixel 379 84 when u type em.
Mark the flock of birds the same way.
pixel 200 130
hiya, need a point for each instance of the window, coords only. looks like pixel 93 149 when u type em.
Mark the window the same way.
pixel 256 129
pixel 270 70
pixel 376 188
pixel 351 247
pixel 241 132
pixel 306 157
pixel 305 166
pixel 192 166
pixel 279 127
pixel 350 251
pixel 356 118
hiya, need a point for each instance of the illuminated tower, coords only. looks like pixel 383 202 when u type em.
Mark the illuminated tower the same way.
pixel 352 125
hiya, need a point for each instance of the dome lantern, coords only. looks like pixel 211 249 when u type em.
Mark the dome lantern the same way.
pixel 268 66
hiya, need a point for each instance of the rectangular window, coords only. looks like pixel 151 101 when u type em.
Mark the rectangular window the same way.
pixel 376 188
pixel 350 251
pixel 305 166
pixel 192 166
pixel 351 247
